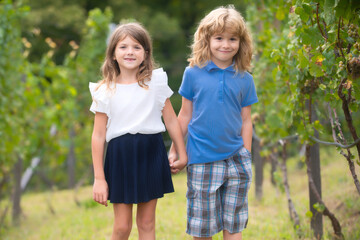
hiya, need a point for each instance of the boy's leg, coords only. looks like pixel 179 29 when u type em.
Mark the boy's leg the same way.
pixel 235 193
pixel 204 218
pixel 145 220
pixel 231 236
pixel 122 221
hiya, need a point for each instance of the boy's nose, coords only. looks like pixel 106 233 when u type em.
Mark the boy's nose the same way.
pixel 226 44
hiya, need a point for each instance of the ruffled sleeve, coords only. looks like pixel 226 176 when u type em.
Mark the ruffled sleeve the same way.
pixel 160 81
pixel 100 98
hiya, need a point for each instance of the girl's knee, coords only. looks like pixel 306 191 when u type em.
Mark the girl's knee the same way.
pixel 122 230
pixel 146 224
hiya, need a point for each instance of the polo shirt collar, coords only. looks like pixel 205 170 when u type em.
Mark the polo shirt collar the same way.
pixel 211 66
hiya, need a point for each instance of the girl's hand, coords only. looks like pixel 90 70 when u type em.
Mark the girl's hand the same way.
pixel 100 191
pixel 178 165
pixel 172 156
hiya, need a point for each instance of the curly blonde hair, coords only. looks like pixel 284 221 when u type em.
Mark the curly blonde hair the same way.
pixel 217 21
pixel 110 68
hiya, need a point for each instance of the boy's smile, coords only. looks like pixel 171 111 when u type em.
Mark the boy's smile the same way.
pixel 223 47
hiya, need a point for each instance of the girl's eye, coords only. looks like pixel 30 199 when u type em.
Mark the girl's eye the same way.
pixel 122 47
pixel 137 47
pixel 233 39
pixel 218 38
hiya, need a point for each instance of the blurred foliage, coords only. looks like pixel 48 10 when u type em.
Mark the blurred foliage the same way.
pixel 12 89
pixel 307 58
pixel 298 56
pixel 170 23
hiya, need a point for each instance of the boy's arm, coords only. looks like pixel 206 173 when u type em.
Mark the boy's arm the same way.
pixel 100 188
pixel 174 129
pixel 184 118
pixel 246 130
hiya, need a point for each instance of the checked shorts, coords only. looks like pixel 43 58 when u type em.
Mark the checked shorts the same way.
pixel 217 195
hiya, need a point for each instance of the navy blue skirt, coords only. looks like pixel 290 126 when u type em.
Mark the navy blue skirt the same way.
pixel 137 168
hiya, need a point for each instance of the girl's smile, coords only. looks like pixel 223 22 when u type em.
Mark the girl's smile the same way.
pixel 129 54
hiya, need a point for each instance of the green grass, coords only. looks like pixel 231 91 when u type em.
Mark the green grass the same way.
pixel 268 218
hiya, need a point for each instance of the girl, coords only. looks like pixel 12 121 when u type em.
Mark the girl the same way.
pixel 217 95
pixel 128 104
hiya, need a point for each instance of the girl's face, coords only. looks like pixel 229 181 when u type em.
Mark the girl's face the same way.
pixel 129 54
pixel 223 48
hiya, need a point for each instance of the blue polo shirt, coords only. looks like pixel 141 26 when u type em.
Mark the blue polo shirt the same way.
pixel 217 95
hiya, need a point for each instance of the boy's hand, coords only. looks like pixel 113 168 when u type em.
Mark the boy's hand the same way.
pixel 100 191
pixel 178 165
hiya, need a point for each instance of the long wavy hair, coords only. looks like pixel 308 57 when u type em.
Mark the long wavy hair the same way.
pixel 110 68
pixel 218 21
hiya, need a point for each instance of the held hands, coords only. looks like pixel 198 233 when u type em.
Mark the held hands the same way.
pixel 176 165
pixel 100 191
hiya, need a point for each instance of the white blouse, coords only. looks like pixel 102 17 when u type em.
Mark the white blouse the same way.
pixel 131 108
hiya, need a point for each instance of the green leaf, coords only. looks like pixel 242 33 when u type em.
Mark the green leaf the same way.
pixel 318 126
pixel 329 61
pixel 307 8
pixel 275 54
pixel 353 107
pixel 73 91
pixel 313 36
pixel 280 13
pixel 309 214
pixel 315 70
pixel 302 14
pixel 303 60
pixel 344 8
pixel 316 65
pixel 322 86
pixel 319 207
pixel 274 73
pixel 329 11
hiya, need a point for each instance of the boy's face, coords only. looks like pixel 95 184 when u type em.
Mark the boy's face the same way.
pixel 223 47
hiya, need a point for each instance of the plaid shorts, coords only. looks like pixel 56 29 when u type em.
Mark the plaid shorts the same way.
pixel 217 195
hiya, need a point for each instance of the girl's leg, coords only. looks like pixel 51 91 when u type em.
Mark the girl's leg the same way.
pixel 145 220
pixel 122 221
pixel 202 238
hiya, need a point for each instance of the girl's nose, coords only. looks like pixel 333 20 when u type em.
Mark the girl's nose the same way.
pixel 130 50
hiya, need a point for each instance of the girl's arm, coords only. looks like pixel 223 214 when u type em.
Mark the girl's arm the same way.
pixel 174 129
pixel 246 130
pixel 100 188
pixel 184 118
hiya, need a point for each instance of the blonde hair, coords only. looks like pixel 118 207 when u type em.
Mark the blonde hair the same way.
pixel 217 21
pixel 110 68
